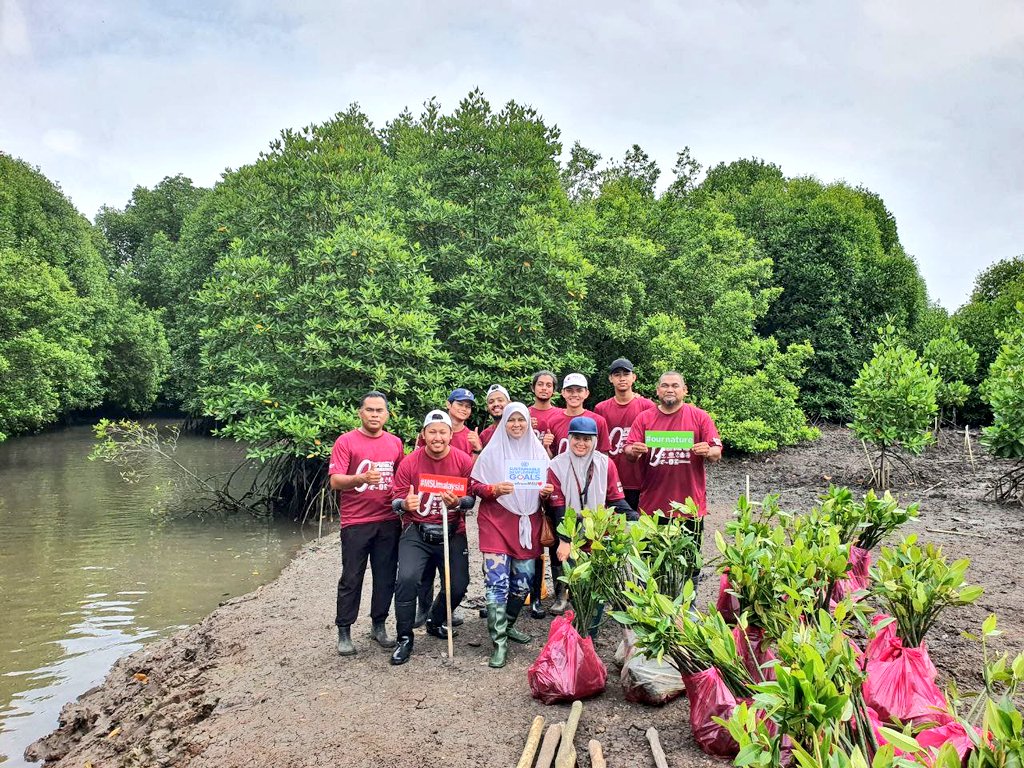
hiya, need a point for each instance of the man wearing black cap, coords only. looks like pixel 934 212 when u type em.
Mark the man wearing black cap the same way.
pixel 619 411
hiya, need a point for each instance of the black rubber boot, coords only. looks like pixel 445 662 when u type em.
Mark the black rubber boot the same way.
pixel 403 650
pixel 439 630
pixel 561 603
pixel 405 614
pixel 345 647
pixel 425 599
pixel 512 609
pixel 380 634
pixel 536 607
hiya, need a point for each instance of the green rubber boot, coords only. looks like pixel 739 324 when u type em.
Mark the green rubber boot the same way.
pixel 515 605
pixel 497 625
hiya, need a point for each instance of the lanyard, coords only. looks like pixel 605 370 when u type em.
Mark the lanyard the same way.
pixel 584 490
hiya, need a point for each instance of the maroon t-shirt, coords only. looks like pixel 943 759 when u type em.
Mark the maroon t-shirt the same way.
pixel 460 440
pixel 485 436
pixel 557 497
pixel 499 528
pixel 354 453
pixel 542 417
pixel 673 475
pixel 559 426
pixel 456 464
pixel 620 418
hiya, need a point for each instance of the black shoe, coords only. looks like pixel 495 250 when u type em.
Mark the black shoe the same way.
pixel 403 650
pixel 421 617
pixel 457 619
pixel 537 610
pixel 380 634
pixel 439 630
pixel 345 647
pixel 483 612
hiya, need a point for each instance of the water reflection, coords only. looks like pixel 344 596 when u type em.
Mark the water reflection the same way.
pixel 89 573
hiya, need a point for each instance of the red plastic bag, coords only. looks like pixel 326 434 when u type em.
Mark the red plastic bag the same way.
pixel 900 684
pixel 728 605
pixel 933 738
pixel 709 697
pixel 857 578
pixel 755 650
pixel 567 667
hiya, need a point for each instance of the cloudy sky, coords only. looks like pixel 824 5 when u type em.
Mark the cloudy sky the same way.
pixel 921 101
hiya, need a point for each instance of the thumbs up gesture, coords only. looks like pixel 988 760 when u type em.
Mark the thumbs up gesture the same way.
pixel 474 440
pixel 549 439
pixel 412 500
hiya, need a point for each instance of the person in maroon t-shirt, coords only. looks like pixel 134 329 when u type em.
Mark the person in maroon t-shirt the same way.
pixel 497 399
pixel 543 387
pixel 575 391
pixel 420 548
pixel 620 411
pixel 362 467
pixel 674 475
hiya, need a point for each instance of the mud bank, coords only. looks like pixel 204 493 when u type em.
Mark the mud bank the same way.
pixel 258 682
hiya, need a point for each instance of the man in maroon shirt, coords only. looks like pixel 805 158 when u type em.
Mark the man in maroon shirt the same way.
pixel 575 391
pixel 362 467
pixel 420 547
pixel 674 474
pixel 543 386
pixel 619 411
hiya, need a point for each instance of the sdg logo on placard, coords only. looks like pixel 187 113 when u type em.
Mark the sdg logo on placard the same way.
pixel 528 473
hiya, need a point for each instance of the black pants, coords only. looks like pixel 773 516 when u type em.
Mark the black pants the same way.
pixel 415 556
pixel 633 498
pixel 377 542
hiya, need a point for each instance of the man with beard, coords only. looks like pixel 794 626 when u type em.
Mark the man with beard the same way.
pixel 363 464
pixel 496 400
pixel 620 411
pixel 420 547
pixel 674 474
pixel 543 386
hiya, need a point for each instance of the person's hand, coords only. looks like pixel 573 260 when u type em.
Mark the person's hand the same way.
pixel 450 499
pixel 474 441
pixel 564 548
pixel 501 489
pixel 548 439
pixel 370 476
pixel 636 450
pixel 700 449
pixel 533 422
pixel 546 490
pixel 412 500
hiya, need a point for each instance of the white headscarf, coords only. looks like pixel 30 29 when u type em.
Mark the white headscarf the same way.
pixel 491 468
pixel 572 472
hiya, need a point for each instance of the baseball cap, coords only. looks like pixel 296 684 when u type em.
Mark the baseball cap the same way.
pixel 498 388
pixel 622 363
pixel 582 425
pixel 435 417
pixel 575 380
pixel 461 393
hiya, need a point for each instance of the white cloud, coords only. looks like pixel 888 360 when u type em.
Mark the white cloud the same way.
pixel 62 142
pixel 14 40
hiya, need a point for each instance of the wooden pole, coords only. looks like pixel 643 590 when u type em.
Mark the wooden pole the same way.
pixel 566 757
pixel 659 753
pixel 532 742
pixel 970 450
pixel 547 749
pixel 748 489
pixel 596 755
pixel 448 584
pixel 320 527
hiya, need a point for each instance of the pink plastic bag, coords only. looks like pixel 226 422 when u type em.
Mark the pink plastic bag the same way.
pixel 900 684
pixel 709 697
pixel 933 738
pixel 567 667
pixel 728 605
pixel 756 652
pixel 857 578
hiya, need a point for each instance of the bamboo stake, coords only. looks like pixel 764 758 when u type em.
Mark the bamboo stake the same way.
pixel 596 755
pixel 532 742
pixel 547 749
pixel 748 489
pixel 957 533
pixel 970 450
pixel 871 464
pixel 320 528
pixel 448 585
pixel 656 750
pixel 566 757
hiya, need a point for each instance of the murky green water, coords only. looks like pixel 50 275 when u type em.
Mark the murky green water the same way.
pixel 91 568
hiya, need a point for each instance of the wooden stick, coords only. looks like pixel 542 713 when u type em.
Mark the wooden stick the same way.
pixel 566 757
pixel 748 489
pixel 532 742
pixel 957 533
pixel 659 753
pixel 448 585
pixel 871 464
pixel 547 749
pixel 970 451
pixel 596 755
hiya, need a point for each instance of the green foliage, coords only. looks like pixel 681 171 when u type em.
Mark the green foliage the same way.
pixel 893 401
pixel 952 362
pixel 1003 390
pixel 915 584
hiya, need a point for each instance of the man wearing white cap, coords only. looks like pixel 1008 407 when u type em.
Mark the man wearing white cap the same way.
pixel 423 515
pixel 575 391
pixel 496 400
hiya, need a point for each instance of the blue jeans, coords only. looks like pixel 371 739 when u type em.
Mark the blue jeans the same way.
pixel 504 574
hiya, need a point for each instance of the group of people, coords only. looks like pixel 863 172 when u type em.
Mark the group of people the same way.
pixel 630 453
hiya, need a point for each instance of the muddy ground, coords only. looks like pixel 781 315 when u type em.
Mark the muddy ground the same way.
pixel 259 682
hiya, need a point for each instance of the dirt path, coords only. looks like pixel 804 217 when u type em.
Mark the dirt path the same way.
pixel 259 682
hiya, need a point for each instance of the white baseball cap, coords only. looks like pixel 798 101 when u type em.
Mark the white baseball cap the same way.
pixel 575 380
pixel 435 417
pixel 498 388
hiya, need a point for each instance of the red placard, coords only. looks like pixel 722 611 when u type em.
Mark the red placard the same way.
pixel 442 483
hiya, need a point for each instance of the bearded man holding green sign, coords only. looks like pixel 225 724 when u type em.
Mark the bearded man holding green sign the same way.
pixel 672 442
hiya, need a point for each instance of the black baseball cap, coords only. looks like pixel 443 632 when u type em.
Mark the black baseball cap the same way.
pixel 622 363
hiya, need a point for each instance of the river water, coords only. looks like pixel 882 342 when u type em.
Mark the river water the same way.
pixel 91 568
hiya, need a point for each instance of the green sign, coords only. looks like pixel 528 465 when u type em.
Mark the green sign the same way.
pixel 675 441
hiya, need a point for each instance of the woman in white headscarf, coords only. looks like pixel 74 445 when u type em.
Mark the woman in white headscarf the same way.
pixel 510 523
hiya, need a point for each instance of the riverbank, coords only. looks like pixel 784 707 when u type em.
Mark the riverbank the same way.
pixel 259 680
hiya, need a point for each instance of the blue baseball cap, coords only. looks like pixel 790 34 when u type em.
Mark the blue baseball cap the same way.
pixel 461 394
pixel 583 425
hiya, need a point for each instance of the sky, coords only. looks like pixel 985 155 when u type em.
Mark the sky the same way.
pixel 921 101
